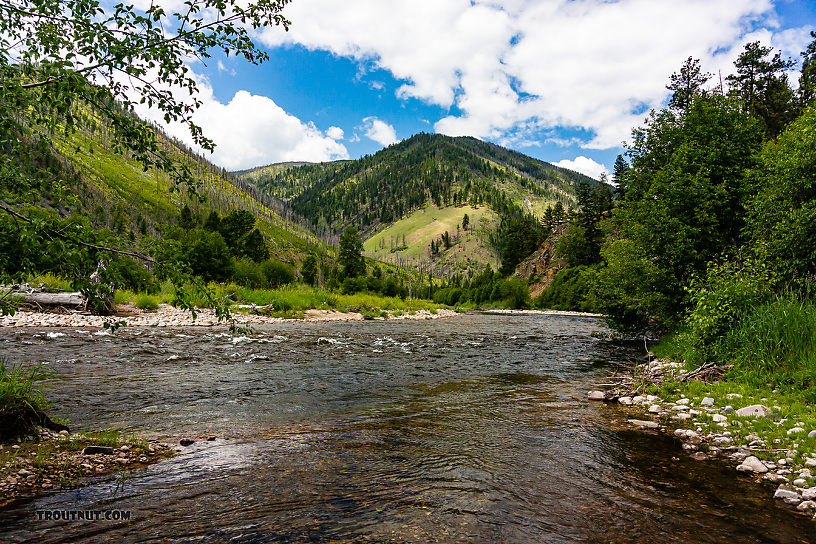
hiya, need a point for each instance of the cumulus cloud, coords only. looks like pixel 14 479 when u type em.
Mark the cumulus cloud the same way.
pixel 584 165
pixel 379 131
pixel 335 133
pixel 252 130
pixel 497 65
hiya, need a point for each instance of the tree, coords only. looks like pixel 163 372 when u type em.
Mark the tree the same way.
pixel 686 84
pixel 465 222
pixel 807 79
pixel 619 175
pixel 58 58
pixel 762 85
pixel 308 271
pixel 351 254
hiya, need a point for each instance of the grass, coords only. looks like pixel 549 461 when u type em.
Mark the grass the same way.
pixel 144 301
pixel 21 402
pixel 772 353
pixel 49 281
pixel 428 224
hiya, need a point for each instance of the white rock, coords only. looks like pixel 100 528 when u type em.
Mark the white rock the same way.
pixel 810 462
pixel 809 494
pixel 755 410
pixel 679 407
pixel 626 401
pixel 784 492
pixel 800 482
pixel 795 430
pixel 718 418
pixel 638 400
pixel 806 505
pixel 652 398
pixel 644 424
pixel 752 464
pixel 683 401
pixel 707 401
pixel 654 409
pixel 682 416
pixel 805 473
pixel 595 395
pixel 721 440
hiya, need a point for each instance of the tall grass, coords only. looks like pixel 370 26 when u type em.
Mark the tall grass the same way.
pixel 21 402
pixel 775 345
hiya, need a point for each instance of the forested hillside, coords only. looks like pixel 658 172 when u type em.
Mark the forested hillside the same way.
pixel 390 197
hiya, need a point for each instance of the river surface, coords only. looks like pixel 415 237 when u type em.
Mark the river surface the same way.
pixel 469 429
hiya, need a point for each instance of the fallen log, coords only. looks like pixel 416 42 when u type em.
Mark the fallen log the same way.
pixel 54 299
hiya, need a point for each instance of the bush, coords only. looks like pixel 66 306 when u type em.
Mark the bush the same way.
pixel 570 290
pixel 22 405
pixel 132 276
pixel 728 293
pixel 249 274
pixel 144 301
pixel 514 293
pixel 277 273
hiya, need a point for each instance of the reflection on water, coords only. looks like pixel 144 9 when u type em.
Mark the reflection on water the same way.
pixel 473 429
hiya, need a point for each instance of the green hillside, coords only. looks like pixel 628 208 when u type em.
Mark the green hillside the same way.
pixel 384 196
pixel 115 192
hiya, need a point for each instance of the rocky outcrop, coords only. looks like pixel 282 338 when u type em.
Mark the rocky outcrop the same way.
pixel 543 263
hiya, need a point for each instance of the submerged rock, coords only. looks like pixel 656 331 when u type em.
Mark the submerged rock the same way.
pixel 91 450
pixel 186 441
pixel 595 395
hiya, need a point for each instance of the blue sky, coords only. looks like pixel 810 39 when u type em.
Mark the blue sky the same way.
pixel 563 80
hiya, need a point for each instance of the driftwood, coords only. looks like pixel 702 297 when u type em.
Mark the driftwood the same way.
pixel 55 299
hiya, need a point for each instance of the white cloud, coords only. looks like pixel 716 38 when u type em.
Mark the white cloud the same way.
pixel 508 65
pixel 252 130
pixel 335 133
pixel 379 131
pixel 584 165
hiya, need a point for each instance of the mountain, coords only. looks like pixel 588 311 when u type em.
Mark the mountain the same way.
pixel 409 200
pixel 82 173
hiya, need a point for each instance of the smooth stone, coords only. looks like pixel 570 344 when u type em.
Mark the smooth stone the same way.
pixel 722 440
pixel 682 416
pixel 727 410
pixel 810 462
pixel 595 395
pixel 806 505
pixel 719 418
pixel 654 409
pixel 683 401
pixel 91 450
pixel 186 441
pixel 644 424
pixel 800 482
pixel 639 399
pixel 755 410
pixel 707 401
pixel 812 434
pixel 784 492
pixel 699 456
pixel 809 494
pixel 626 401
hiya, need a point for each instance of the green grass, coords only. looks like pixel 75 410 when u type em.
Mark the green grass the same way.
pixel 428 224
pixel 21 399
pixel 49 281
pixel 144 301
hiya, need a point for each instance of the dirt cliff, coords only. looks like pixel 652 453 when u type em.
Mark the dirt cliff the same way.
pixel 543 263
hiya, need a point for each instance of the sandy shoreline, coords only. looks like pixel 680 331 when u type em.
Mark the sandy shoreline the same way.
pixel 169 316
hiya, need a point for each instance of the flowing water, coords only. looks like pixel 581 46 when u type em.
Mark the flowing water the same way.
pixel 470 429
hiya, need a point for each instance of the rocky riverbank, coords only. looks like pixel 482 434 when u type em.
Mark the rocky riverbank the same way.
pixel 169 316
pixel 64 461
pixel 757 437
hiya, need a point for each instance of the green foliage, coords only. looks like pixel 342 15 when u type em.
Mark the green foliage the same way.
pixel 685 204
pixel 308 271
pixel 144 301
pixel 570 290
pixel 350 257
pixel 518 238
pixel 277 273
pixel 782 211
pixel 22 403
pixel 514 293
pixel 248 273
pixel 728 292
pixel 126 273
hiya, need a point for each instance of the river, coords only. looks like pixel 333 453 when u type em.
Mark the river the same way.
pixel 469 429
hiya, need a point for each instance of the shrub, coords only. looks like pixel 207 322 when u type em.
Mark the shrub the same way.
pixel 277 273
pixel 143 301
pixel 249 274
pixel 128 274
pixel 569 290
